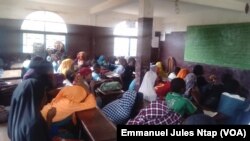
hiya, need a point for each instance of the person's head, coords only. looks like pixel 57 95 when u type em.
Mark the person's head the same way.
pixel 176 70
pixel 159 66
pixel 66 65
pixel 131 61
pixel 232 86
pixel 123 61
pixel 153 68
pixel 97 68
pixel 42 70
pixel 212 79
pixel 198 70
pixel 70 75
pixel 86 73
pixel 226 77
pixel 178 85
pixel 190 81
pixel 81 55
pixel 59 46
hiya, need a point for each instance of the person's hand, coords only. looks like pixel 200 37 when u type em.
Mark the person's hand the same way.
pixel 50 115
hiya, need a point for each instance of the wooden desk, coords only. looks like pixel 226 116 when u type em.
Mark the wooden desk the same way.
pixel 11 74
pixel 98 127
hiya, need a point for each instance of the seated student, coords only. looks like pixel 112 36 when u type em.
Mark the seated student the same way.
pixel 122 64
pixel 120 110
pixel 25 122
pixel 231 103
pixel 147 86
pixel 201 81
pixel 211 96
pixel 160 70
pixel 127 76
pixel 69 100
pixel 96 74
pixel 83 78
pixel 192 91
pixel 162 88
pixel 156 113
pixel 176 101
pixel 190 81
pixel 66 65
pixel 80 60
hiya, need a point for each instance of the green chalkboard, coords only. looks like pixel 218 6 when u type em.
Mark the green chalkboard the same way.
pixel 223 45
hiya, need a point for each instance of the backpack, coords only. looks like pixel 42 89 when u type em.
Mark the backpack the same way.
pixel 110 86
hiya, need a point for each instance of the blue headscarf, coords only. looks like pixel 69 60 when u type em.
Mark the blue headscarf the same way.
pixel 101 60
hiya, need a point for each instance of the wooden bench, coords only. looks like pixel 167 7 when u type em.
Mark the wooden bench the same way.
pixel 97 125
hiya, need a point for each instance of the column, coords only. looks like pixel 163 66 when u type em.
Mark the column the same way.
pixel 145 27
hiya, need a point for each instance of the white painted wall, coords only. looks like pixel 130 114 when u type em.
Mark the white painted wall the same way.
pixel 213 16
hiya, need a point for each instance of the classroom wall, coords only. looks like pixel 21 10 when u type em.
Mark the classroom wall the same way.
pixel 174 46
pixel 103 41
pixel 93 40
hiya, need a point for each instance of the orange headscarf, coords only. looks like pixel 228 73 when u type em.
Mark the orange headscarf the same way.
pixel 182 73
pixel 68 101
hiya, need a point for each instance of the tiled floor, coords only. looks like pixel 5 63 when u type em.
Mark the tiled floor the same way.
pixel 3 132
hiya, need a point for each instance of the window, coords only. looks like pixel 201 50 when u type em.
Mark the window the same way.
pixel 42 28
pixel 125 42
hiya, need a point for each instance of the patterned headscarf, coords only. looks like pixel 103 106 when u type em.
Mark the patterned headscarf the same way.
pixel 119 110
pixel 190 81
pixel 156 113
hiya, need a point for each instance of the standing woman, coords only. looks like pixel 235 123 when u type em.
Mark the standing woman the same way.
pixel 25 121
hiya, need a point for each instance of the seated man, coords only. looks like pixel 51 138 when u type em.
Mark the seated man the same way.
pixel 176 101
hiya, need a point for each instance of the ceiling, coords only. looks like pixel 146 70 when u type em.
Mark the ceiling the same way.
pixel 161 7
pixel 100 9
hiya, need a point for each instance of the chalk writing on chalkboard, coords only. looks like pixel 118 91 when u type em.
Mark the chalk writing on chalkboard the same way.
pixel 222 45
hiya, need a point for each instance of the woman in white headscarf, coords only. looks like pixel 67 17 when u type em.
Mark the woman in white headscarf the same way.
pixel 147 86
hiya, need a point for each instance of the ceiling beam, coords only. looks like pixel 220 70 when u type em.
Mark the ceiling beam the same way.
pixel 225 4
pixel 108 5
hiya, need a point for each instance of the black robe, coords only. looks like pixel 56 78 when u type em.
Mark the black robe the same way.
pixel 25 121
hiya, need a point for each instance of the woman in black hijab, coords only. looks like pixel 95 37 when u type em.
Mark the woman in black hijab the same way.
pixel 25 121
